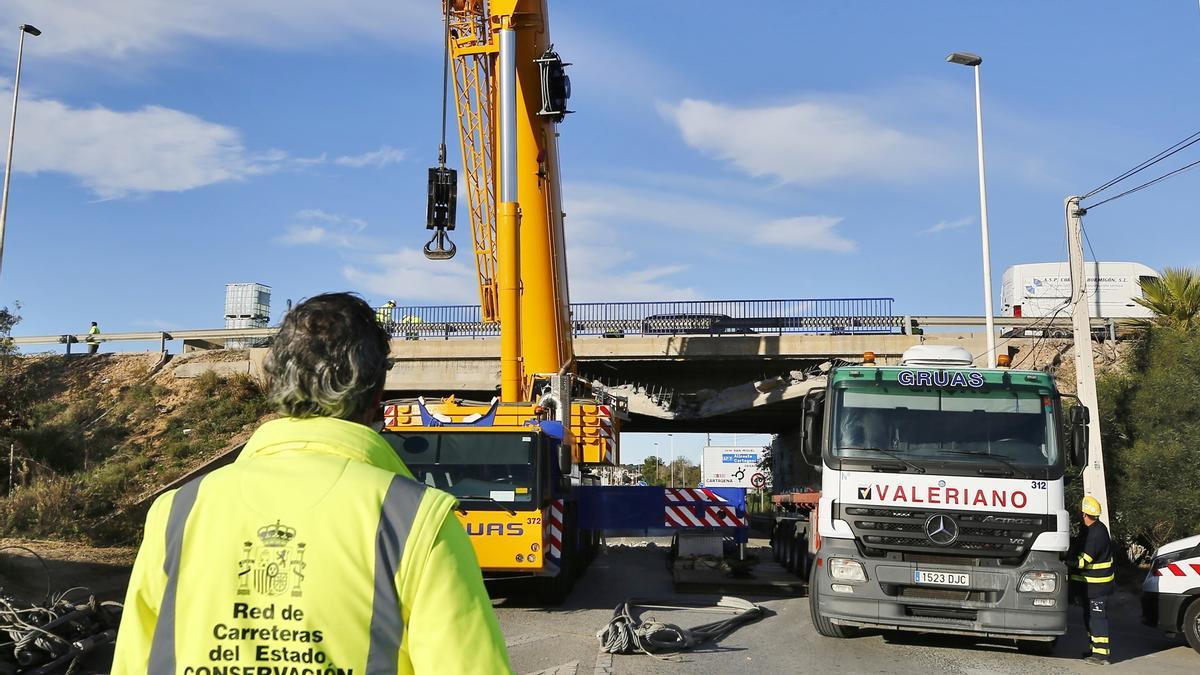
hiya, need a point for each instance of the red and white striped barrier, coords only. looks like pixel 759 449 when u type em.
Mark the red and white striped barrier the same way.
pixel 693 495
pixel 683 515
pixel 699 507
pixel 554 529
pixel 608 433
pixel 1178 570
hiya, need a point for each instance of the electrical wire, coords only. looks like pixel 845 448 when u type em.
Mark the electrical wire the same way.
pixel 1143 186
pixel 1181 145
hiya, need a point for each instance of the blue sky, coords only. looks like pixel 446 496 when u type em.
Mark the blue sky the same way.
pixel 722 151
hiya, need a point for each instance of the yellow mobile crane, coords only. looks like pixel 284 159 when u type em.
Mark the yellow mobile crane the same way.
pixel 514 463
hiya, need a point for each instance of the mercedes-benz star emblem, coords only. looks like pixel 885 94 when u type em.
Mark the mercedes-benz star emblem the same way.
pixel 941 530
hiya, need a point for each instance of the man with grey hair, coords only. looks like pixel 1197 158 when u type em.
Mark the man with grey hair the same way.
pixel 315 551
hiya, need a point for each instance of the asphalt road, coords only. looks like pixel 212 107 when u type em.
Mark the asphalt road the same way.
pixel 562 640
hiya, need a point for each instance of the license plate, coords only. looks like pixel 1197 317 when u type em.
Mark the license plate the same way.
pixel 941 578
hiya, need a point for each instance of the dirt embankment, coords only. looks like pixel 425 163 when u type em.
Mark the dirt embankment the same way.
pixel 94 436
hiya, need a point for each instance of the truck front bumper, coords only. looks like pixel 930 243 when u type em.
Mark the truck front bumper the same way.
pixel 990 606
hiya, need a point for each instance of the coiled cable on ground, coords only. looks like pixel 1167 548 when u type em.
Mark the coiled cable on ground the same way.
pixel 627 633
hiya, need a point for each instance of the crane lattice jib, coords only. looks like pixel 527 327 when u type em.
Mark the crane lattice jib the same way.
pixel 473 62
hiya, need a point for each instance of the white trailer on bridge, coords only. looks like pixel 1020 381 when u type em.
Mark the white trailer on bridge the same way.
pixel 1044 289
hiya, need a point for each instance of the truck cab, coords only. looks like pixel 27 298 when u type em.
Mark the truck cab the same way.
pixel 942 497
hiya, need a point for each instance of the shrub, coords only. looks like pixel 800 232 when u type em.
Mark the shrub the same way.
pixel 1150 421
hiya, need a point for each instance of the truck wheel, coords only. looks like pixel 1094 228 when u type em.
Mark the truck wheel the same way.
pixel 796 561
pixel 776 546
pixel 553 591
pixel 1191 624
pixel 824 626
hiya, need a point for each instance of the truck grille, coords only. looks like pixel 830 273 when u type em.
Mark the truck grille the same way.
pixel 979 535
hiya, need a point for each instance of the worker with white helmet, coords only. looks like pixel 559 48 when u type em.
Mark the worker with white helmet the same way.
pixel 1091 562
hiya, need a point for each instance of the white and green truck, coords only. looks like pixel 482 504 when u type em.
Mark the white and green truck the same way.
pixel 941 498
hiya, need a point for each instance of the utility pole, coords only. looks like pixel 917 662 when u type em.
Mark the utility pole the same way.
pixel 1085 371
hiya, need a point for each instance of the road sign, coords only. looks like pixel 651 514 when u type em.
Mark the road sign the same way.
pixel 734 467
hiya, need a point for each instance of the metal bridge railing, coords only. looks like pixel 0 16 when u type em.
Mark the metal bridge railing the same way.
pixel 699 317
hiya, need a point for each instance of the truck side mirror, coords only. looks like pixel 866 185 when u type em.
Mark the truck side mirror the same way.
pixel 564 459
pixel 811 422
pixel 1080 417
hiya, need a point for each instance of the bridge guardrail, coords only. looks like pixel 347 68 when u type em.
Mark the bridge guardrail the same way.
pixel 651 325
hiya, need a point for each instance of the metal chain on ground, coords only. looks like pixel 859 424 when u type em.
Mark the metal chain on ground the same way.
pixel 627 634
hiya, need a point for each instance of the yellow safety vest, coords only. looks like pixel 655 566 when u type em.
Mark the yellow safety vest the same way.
pixel 314 553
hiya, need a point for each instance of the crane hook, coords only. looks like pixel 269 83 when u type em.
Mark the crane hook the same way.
pixel 435 248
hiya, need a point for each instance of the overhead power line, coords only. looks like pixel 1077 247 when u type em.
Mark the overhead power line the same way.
pixel 1181 145
pixel 1145 185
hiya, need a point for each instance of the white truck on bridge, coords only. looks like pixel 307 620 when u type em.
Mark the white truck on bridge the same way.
pixel 941 502
pixel 1044 289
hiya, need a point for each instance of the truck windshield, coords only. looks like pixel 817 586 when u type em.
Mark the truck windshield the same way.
pixel 1001 427
pixel 471 465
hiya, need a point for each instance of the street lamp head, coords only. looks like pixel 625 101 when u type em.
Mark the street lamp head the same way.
pixel 965 58
pixel 32 30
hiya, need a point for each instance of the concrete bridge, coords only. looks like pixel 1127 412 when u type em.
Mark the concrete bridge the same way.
pixel 674 383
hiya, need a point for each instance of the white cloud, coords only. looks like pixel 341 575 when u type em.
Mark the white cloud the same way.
pixel 317 227
pixel 131 29
pixel 376 159
pixel 806 143
pixel 602 207
pixel 406 275
pixel 944 225
pixel 116 153
pixel 815 232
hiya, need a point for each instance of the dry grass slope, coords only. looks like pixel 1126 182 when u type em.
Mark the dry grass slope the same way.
pixel 99 433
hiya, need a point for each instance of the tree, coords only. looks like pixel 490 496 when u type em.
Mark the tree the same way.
pixel 654 471
pixel 14 395
pixel 1174 298
pixel 1150 418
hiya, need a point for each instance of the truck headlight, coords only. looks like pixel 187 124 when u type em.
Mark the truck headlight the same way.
pixel 844 569
pixel 1038 582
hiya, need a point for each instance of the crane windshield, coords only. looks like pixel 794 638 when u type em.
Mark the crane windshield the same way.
pixel 488 467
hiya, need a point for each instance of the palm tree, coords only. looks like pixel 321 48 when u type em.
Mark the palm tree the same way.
pixel 1174 298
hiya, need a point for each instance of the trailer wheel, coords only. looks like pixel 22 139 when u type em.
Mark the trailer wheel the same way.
pixel 824 626
pixel 1191 624
pixel 776 545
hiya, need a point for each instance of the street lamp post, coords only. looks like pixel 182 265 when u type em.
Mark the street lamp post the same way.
pixel 12 130
pixel 672 437
pixel 657 463
pixel 973 60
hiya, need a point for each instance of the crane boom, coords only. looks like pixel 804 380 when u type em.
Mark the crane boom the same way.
pixel 492 44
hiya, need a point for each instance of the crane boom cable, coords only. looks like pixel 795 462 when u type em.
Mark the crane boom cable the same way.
pixel 445 83
pixel 1178 147
pixel 1145 185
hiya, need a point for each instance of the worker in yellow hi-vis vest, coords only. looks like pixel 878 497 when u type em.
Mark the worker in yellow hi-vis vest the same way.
pixel 385 316
pixel 93 342
pixel 1091 561
pixel 315 551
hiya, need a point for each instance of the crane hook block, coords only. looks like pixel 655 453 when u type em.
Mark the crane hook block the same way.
pixel 443 201
pixel 556 85
pixel 443 198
